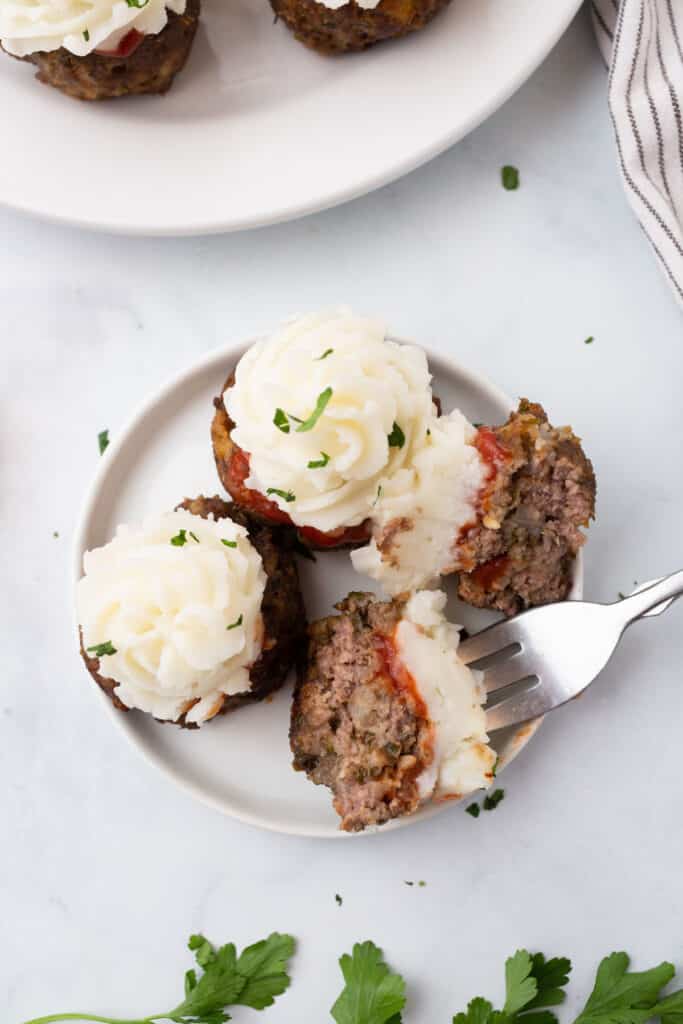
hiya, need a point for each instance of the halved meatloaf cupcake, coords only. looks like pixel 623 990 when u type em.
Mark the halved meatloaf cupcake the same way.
pixel 385 714
pixel 101 49
pixel 336 27
pixel 193 614
pixel 314 418
pixel 530 492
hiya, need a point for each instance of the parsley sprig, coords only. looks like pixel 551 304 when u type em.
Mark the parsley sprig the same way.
pixel 372 994
pixel 253 979
pixel 532 983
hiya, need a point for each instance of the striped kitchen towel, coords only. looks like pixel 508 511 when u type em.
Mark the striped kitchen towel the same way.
pixel 642 43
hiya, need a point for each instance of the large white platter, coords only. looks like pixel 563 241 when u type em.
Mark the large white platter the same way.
pixel 240 764
pixel 258 129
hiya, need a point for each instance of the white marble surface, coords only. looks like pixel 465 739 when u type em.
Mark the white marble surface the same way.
pixel 105 868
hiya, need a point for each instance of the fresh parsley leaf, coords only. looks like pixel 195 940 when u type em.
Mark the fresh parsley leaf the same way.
pixel 396 438
pixel 621 996
pixel 510 177
pixel 229 543
pixel 319 463
pixel 479 1011
pixel 326 353
pixel 100 650
pixel 531 983
pixel 320 405
pixel 194 536
pixel 103 441
pixel 180 539
pixel 285 495
pixel 473 809
pixel 491 800
pixel 236 623
pixel 281 421
pixel 372 993
pixel 521 987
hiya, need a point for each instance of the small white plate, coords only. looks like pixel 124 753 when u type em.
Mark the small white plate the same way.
pixel 257 129
pixel 241 763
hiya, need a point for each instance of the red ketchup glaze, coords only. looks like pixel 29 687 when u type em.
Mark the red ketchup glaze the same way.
pixel 487 573
pixel 127 45
pixel 238 471
pixel 492 452
pixel 398 673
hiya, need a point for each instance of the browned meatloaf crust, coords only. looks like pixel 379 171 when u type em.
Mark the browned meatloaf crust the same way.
pixel 542 494
pixel 354 728
pixel 232 467
pixel 352 27
pixel 284 616
pixel 151 67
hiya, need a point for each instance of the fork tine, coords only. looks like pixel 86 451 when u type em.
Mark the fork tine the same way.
pixel 520 707
pixel 490 640
pixel 519 666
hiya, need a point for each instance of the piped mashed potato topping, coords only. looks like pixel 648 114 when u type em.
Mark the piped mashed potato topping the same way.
pixel 80 26
pixel 421 511
pixel 173 611
pixel 329 410
pixel 427 645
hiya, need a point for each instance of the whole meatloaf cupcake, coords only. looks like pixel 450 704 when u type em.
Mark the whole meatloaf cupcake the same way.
pixel 335 26
pixel 101 49
pixel 386 714
pixel 193 614
pixel 315 418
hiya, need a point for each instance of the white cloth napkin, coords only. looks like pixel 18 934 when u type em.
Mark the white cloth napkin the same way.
pixel 642 43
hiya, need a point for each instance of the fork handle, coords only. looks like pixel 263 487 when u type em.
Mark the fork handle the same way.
pixel 633 607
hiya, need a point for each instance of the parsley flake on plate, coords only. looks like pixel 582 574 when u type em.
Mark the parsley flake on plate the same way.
pixel 491 800
pixel 509 176
pixel 103 441
pixel 589 341
pixel 474 810
pixel 338 899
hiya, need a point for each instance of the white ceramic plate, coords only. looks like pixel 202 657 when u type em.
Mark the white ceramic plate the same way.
pixel 257 129
pixel 240 764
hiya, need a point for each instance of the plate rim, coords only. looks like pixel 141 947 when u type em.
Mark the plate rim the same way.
pixel 439 363
pixel 281 214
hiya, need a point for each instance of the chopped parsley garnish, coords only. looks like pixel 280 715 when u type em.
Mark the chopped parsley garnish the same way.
pixel 285 495
pixel 139 4
pixel 103 441
pixel 55 533
pixel 372 993
pixel 396 438
pixel 622 597
pixel 326 353
pixel 229 543
pixel 236 623
pixel 378 495
pixel 280 420
pixel 338 899
pixel 194 536
pixel 86 35
pixel 491 800
pixel 100 650
pixel 589 341
pixel 473 809
pixel 321 403
pixel 494 770
pixel 319 463
pixel 510 177
pixel 409 883
pixel 180 539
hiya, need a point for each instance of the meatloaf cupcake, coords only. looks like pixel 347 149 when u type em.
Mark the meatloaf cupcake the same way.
pixel 193 614
pixel 385 713
pixel 315 418
pixel 101 49
pixel 509 522
pixel 336 26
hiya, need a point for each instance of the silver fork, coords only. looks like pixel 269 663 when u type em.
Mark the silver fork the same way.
pixel 543 658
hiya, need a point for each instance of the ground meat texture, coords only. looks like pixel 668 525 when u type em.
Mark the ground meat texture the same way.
pixel 353 728
pixel 351 27
pixel 284 615
pixel 542 493
pixel 232 465
pixel 150 68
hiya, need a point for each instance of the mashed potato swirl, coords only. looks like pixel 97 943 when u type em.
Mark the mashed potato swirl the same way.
pixel 328 409
pixel 173 611
pixel 80 26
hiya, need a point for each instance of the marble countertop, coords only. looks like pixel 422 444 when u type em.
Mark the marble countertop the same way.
pixel 106 868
